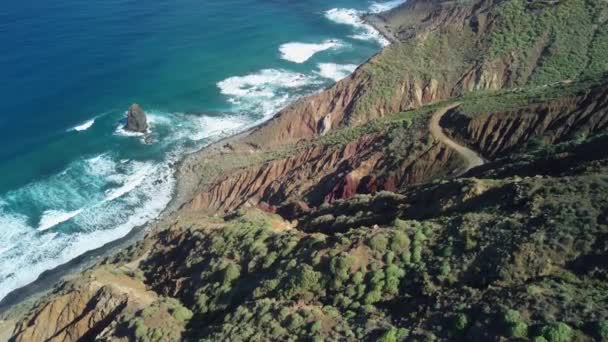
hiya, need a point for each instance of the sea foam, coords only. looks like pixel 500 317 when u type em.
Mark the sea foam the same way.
pixel 84 126
pixel 301 52
pixel 138 192
pixel 51 218
pixel 352 17
pixel 219 126
pixel 263 93
pixel 334 71
pixel 378 7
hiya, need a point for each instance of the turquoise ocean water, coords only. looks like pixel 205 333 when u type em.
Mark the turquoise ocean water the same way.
pixel 71 179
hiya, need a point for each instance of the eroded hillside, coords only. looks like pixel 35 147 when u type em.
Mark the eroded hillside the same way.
pixel 354 215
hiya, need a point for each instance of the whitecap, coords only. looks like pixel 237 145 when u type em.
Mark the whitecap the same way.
pixel 84 126
pixel 51 218
pixel 301 52
pixel 265 91
pixel 334 71
pixel 218 126
pixel 352 17
pixel 101 165
pixel 130 183
pixel 378 7
pixel 144 191
pixel 121 131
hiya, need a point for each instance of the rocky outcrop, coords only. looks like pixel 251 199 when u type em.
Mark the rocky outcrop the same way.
pixel 326 173
pixel 136 119
pixel 83 309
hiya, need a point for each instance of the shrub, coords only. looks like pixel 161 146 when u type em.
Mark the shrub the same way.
pixel 389 336
pixel 341 266
pixel 602 329
pixel 389 257
pixel 400 242
pixel 315 327
pixel 358 278
pixel 417 255
pixel 379 242
pixel 514 325
pixel 519 329
pixel 231 273
pixel 393 277
pixel 400 224
pixel 557 332
pixel 461 321
pixel 373 297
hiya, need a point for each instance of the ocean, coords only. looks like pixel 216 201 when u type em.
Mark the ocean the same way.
pixel 71 179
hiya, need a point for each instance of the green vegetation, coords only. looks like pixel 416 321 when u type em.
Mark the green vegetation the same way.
pixel 514 324
pixel 376 282
pixel 517 250
pixel 504 100
pixel 417 63
pixel 164 320
pixel 568 36
pixel 558 332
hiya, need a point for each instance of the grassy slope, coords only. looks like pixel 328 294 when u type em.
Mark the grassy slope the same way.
pixel 419 265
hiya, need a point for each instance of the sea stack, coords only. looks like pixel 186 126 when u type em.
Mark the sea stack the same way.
pixel 136 119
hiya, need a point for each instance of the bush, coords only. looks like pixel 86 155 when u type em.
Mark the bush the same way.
pixel 557 332
pixel 341 266
pixel 514 325
pixel 393 277
pixel 461 321
pixel 379 242
pixel 306 281
pixel 400 242
pixel 389 336
pixel 231 273
pixel 602 329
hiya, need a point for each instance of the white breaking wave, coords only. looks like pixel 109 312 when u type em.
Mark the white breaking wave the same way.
pixel 266 91
pixel 131 182
pixel 51 218
pixel 120 130
pixel 144 191
pixel 378 7
pixel 84 126
pixel 101 165
pixel 211 126
pixel 334 71
pixel 301 52
pixel 262 83
pixel 352 17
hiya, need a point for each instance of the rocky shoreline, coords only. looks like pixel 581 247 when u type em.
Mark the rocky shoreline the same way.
pixel 187 182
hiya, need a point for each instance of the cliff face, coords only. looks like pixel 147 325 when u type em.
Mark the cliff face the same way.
pixel 497 134
pixel 323 174
pixel 82 310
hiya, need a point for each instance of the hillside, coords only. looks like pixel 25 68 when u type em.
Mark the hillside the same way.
pixel 452 188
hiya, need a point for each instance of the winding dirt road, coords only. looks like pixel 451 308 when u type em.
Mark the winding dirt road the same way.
pixel 471 158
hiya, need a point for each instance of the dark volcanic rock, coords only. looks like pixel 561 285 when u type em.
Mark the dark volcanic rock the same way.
pixel 136 119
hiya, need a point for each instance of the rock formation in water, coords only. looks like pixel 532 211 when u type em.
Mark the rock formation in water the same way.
pixel 136 119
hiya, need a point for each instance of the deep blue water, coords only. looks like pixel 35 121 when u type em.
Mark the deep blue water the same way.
pixel 71 179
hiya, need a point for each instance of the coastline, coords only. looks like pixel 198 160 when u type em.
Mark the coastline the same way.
pixel 376 21
pixel 21 299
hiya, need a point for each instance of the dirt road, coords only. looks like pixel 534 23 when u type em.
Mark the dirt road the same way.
pixel 471 158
